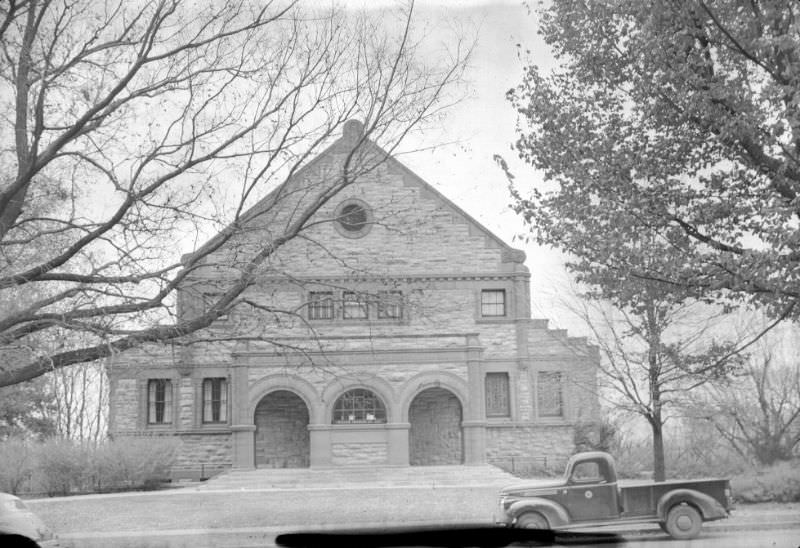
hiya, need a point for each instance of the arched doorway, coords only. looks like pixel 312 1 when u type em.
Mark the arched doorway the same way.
pixel 282 438
pixel 435 437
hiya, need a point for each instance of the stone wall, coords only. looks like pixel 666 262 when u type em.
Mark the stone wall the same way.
pixel 203 455
pixel 531 447
pixel 282 439
pixel 124 405
pixel 359 453
pixel 435 437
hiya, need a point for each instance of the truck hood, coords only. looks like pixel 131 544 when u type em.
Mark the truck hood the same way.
pixel 532 485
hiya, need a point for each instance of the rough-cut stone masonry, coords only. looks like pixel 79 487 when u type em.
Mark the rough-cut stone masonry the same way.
pixel 435 436
pixel 359 453
pixel 203 456
pixel 532 447
pixel 282 431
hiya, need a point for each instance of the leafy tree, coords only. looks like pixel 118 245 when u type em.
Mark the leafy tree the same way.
pixel 677 120
pixel 133 130
pixel 27 409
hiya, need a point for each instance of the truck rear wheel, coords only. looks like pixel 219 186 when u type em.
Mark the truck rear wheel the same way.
pixel 532 520
pixel 683 522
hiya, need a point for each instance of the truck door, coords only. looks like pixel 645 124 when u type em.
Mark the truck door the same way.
pixel 589 495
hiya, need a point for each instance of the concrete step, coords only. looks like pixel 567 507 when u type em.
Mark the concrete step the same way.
pixel 375 476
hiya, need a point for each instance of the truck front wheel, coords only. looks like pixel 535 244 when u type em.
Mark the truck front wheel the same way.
pixel 532 520
pixel 683 522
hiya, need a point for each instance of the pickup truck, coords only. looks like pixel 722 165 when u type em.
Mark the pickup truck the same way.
pixel 589 496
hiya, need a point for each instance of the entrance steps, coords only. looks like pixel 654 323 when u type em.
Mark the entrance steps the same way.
pixel 483 475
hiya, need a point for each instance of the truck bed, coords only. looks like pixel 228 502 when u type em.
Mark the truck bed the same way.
pixel 639 497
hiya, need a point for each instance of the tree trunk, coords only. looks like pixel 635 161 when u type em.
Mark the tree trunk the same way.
pixel 659 469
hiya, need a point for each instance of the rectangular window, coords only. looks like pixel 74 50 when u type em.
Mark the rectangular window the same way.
pixel 159 401
pixel 215 400
pixel 320 305
pixel 551 402
pixel 498 402
pixel 390 305
pixel 354 306
pixel 493 302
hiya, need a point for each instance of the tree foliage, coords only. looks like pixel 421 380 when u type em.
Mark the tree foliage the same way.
pixel 27 409
pixel 674 120
pixel 133 130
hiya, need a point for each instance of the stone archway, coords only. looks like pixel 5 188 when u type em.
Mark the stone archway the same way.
pixel 435 437
pixel 282 438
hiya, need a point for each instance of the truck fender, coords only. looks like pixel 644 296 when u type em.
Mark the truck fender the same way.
pixel 556 514
pixel 708 506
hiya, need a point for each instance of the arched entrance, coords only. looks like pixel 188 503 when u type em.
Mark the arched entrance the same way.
pixel 435 437
pixel 282 438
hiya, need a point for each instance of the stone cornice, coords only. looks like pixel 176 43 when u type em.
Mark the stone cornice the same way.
pixel 375 278
pixel 378 337
pixel 394 356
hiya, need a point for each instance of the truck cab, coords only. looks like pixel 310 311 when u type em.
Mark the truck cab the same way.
pixel 590 489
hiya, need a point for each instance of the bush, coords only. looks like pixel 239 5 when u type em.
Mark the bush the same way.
pixel 777 483
pixel 62 467
pixel 133 463
pixel 16 456
pixel 595 436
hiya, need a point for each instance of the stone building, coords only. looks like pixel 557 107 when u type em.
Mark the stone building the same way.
pixel 397 330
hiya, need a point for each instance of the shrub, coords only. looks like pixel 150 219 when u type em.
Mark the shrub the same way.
pixel 16 456
pixel 62 466
pixel 133 463
pixel 595 436
pixel 777 483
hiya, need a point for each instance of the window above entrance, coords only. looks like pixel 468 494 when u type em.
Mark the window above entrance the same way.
pixel 363 305
pixel 359 406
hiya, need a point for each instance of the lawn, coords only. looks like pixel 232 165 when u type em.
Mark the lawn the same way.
pixel 187 509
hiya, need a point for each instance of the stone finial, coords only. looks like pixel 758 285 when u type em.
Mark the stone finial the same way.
pixel 353 131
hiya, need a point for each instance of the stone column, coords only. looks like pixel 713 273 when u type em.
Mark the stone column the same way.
pixel 398 443
pixel 474 423
pixel 320 445
pixel 242 425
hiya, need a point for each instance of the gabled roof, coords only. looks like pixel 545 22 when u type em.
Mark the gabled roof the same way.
pixel 353 137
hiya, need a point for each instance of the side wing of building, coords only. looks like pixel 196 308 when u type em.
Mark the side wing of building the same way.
pixel 395 330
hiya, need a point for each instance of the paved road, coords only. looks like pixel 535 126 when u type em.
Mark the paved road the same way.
pixel 751 539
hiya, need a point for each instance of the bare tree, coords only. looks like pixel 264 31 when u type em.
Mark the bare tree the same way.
pixel 758 410
pixel 653 355
pixel 133 130
pixel 80 394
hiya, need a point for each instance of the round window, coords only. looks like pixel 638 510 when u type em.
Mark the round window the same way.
pixel 353 218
